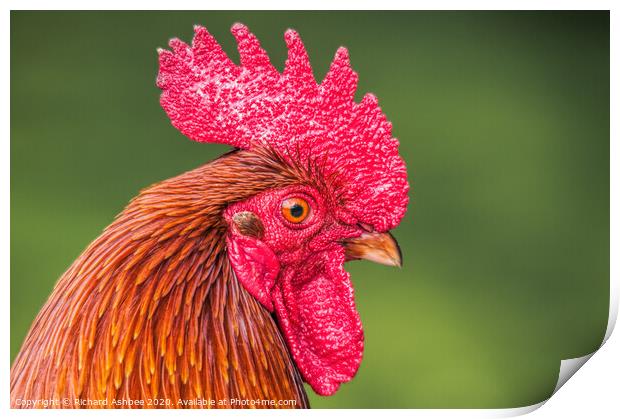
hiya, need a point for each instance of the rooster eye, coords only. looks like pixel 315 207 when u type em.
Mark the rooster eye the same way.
pixel 295 210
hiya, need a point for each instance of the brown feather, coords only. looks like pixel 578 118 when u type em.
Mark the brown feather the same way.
pixel 152 307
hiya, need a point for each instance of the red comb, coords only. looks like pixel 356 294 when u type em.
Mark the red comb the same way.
pixel 211 99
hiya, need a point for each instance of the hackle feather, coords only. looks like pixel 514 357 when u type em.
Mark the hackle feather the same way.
pixel 152 310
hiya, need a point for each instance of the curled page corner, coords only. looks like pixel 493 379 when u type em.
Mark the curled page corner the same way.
pixel 518 411
pixel 568 367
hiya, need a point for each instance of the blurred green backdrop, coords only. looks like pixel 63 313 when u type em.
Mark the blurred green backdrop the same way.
pixel 504 123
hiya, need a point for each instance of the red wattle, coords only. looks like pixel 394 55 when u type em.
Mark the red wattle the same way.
pixel 316 310
pixel 255 266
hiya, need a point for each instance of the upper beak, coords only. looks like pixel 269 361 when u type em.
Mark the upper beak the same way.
pixel 377 247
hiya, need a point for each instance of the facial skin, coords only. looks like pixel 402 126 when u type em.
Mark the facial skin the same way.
pixel 287 248
pixel 322 228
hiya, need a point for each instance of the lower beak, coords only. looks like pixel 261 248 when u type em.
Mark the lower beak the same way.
pixel 376 247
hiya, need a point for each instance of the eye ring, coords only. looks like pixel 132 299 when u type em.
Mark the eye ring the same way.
pixel 295 210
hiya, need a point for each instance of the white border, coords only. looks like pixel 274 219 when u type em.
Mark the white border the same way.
pixel 594 392
pixel 313 5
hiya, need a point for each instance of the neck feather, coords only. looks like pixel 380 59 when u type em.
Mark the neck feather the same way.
pixel 152 309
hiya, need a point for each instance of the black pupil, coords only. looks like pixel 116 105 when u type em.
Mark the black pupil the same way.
pixel 297 210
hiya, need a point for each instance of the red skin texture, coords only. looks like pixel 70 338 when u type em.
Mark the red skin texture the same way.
pixel 312 293
pixel 295 270
pixel 255 265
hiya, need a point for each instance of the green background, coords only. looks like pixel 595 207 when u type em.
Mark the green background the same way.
pixel 504 124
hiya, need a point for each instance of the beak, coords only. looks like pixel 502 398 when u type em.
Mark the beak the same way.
pixel 376 247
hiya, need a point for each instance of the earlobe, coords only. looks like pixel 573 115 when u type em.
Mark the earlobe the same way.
pixel 248 224
pixel 254 263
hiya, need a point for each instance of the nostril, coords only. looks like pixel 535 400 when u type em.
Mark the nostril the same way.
pixel 366 227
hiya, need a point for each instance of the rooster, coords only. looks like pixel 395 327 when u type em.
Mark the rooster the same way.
pixel 226 283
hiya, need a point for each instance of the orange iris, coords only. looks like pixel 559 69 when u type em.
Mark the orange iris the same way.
pixel 295 210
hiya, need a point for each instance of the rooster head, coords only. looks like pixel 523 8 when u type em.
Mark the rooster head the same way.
pixel 287 245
